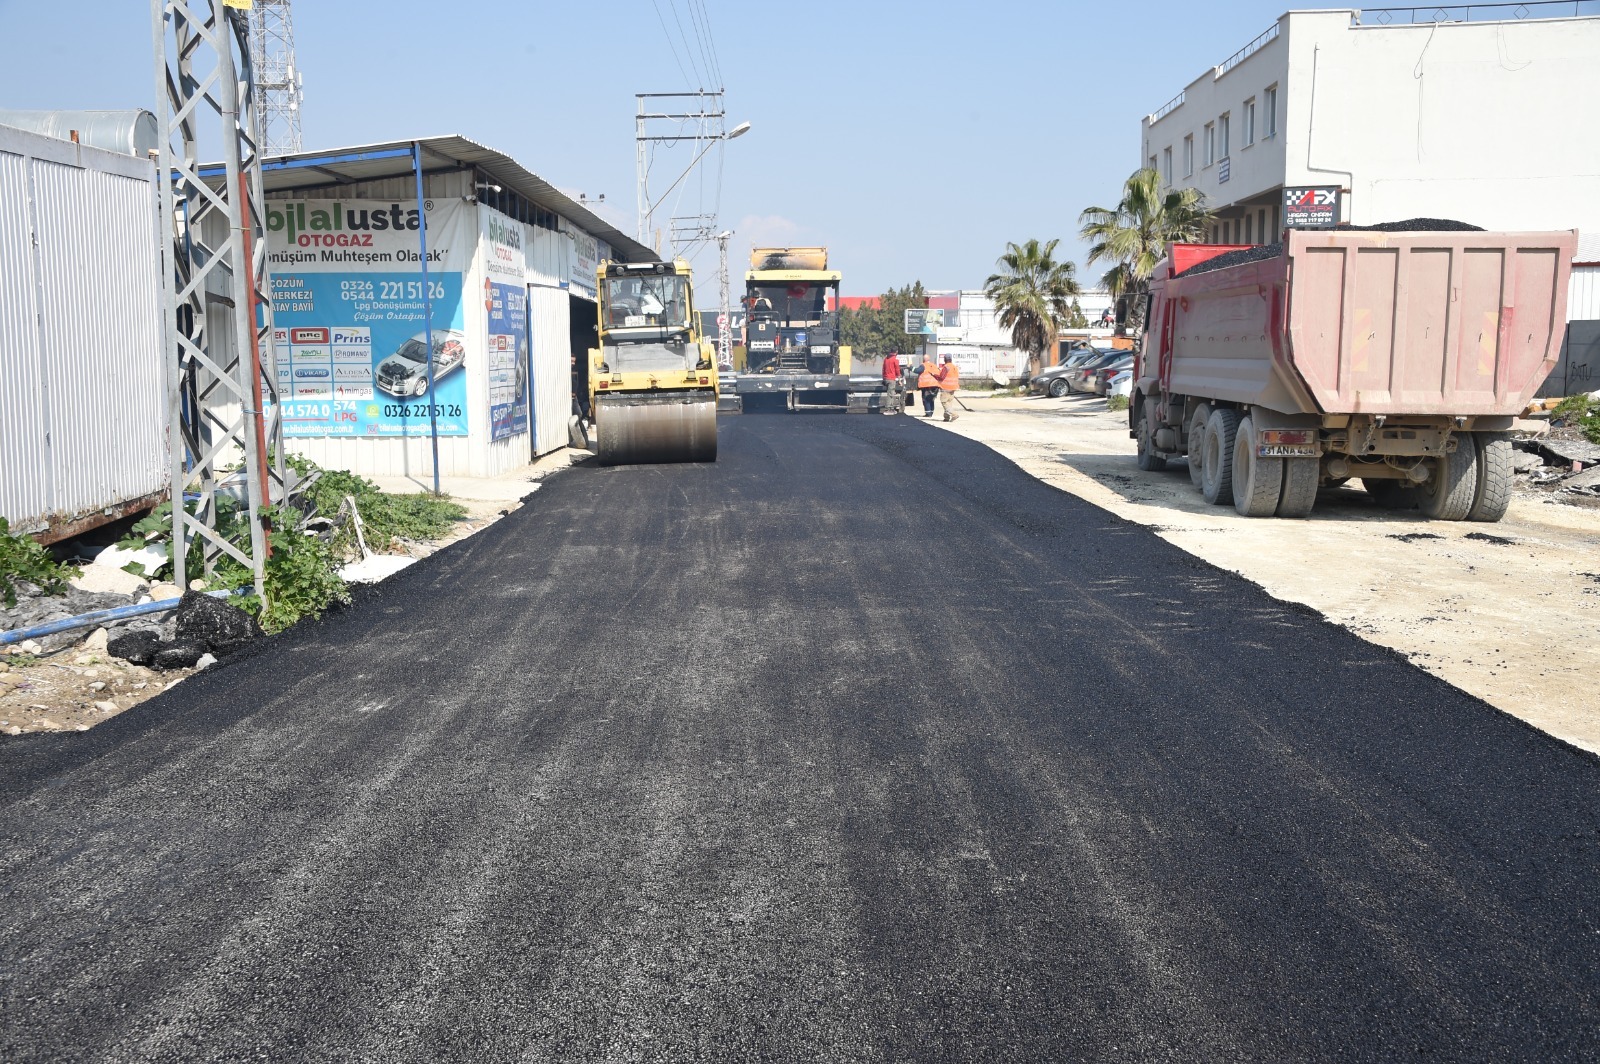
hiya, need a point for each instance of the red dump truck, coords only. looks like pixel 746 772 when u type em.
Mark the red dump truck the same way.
pixel 1397 357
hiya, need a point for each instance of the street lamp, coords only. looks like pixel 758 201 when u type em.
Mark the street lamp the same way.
pixel 737 131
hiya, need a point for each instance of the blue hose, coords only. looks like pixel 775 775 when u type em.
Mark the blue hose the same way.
pixel 97 618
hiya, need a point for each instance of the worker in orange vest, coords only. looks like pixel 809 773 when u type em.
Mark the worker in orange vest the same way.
pixel 949 379
pixel 927 385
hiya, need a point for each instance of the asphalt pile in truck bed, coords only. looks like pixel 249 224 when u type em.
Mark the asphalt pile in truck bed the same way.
pixel 1273 250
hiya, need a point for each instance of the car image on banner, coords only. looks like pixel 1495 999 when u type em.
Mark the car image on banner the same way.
pixel 405 373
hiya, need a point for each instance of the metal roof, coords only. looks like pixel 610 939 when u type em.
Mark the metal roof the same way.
pixel 374 162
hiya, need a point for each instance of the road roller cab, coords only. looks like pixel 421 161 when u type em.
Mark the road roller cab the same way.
pixel 652 380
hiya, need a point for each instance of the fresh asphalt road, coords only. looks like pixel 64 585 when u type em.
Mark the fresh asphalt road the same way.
pixel 859 744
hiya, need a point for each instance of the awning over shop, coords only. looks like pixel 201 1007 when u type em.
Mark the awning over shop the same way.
pixel 375 162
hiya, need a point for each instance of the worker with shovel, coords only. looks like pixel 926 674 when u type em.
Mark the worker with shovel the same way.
pixel 949 379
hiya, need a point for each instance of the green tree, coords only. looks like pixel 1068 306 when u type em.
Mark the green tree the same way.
pixel 872 332
pixel 1133 236
pixel 1030 293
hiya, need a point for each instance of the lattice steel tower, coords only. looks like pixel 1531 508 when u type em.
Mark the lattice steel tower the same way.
pixel 277 78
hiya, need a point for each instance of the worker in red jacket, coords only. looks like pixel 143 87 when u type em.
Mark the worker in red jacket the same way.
pixel 891 383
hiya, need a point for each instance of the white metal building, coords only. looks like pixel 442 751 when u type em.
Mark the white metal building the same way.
pixel 83 436
pixel 1488 120
pixel 510 289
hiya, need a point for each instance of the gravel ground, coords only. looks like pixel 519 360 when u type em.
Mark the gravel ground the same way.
pixel 835 750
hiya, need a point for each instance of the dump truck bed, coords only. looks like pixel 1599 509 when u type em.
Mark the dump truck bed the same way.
pixel 1423 323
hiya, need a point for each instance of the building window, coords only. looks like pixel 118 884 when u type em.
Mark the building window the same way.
pixel 1166 164
pixel 1222 135
pixel 1211 143
pixel 1249 122
pixel 1188 155
pixel 1269 117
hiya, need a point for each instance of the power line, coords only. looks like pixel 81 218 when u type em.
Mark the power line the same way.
pixel 697 18
pixel 670 43
pixel 687 50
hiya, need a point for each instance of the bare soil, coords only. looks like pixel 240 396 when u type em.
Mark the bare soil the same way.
pixel 59 693
pixel 1509 612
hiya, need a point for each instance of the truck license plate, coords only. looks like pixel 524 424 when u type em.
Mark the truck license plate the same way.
pixel 1287 443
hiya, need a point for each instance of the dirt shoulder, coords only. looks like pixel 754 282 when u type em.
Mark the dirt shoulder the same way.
pixel 1509 612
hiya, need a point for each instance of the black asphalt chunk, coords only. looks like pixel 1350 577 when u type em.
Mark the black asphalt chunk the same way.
pixel 860 744
pixel 217 625
pixel 1235 258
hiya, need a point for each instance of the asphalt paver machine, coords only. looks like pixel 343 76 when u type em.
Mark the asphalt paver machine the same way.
pixel 792 356
pixel 652 380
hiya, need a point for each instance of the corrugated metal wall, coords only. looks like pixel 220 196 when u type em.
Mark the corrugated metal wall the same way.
pixel 84 427
pixel 1583 295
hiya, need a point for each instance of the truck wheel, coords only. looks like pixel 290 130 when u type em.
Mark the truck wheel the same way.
pixel 1216 463
pixel 1300 479
pixel 1257 481
pixel 1197 441
pixel 1494 478
pixel 1448 494
pixel 1149 460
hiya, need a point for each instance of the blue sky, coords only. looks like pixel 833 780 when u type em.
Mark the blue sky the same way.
pixel 913 139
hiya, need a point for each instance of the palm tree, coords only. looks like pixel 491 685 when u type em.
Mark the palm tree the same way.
pixel 1134 235
pixel 1032 294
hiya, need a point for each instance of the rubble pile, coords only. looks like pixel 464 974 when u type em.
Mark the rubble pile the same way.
pixel 1567 467
pixel 200 626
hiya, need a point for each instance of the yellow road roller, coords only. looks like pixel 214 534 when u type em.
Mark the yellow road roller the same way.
pixel 652 380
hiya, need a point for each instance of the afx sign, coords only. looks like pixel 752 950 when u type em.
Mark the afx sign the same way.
pixel 1311 208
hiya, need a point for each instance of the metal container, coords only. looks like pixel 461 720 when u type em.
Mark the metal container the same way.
pixel 131 132
pixel 83 430
pixel 1390 323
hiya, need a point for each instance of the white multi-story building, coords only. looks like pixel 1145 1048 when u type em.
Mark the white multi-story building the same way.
pixel 1489 120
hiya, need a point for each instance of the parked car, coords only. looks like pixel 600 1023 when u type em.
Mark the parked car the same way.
pixel 405 373
pixel 1053 381
pixel 1103 375
pixel 1081 377
pixel 1121 384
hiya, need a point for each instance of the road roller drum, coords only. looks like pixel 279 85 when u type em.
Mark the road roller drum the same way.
pixel 670 427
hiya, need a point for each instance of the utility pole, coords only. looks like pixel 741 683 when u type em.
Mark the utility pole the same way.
pixel 706 110
pixel 725 324
pixel 224 428
pixel 277 79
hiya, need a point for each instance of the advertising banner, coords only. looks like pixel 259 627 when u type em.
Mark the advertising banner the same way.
pixel 1311 208
pixel 585 260
pixel 924 321
pixel 348 306
pixel 505 299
